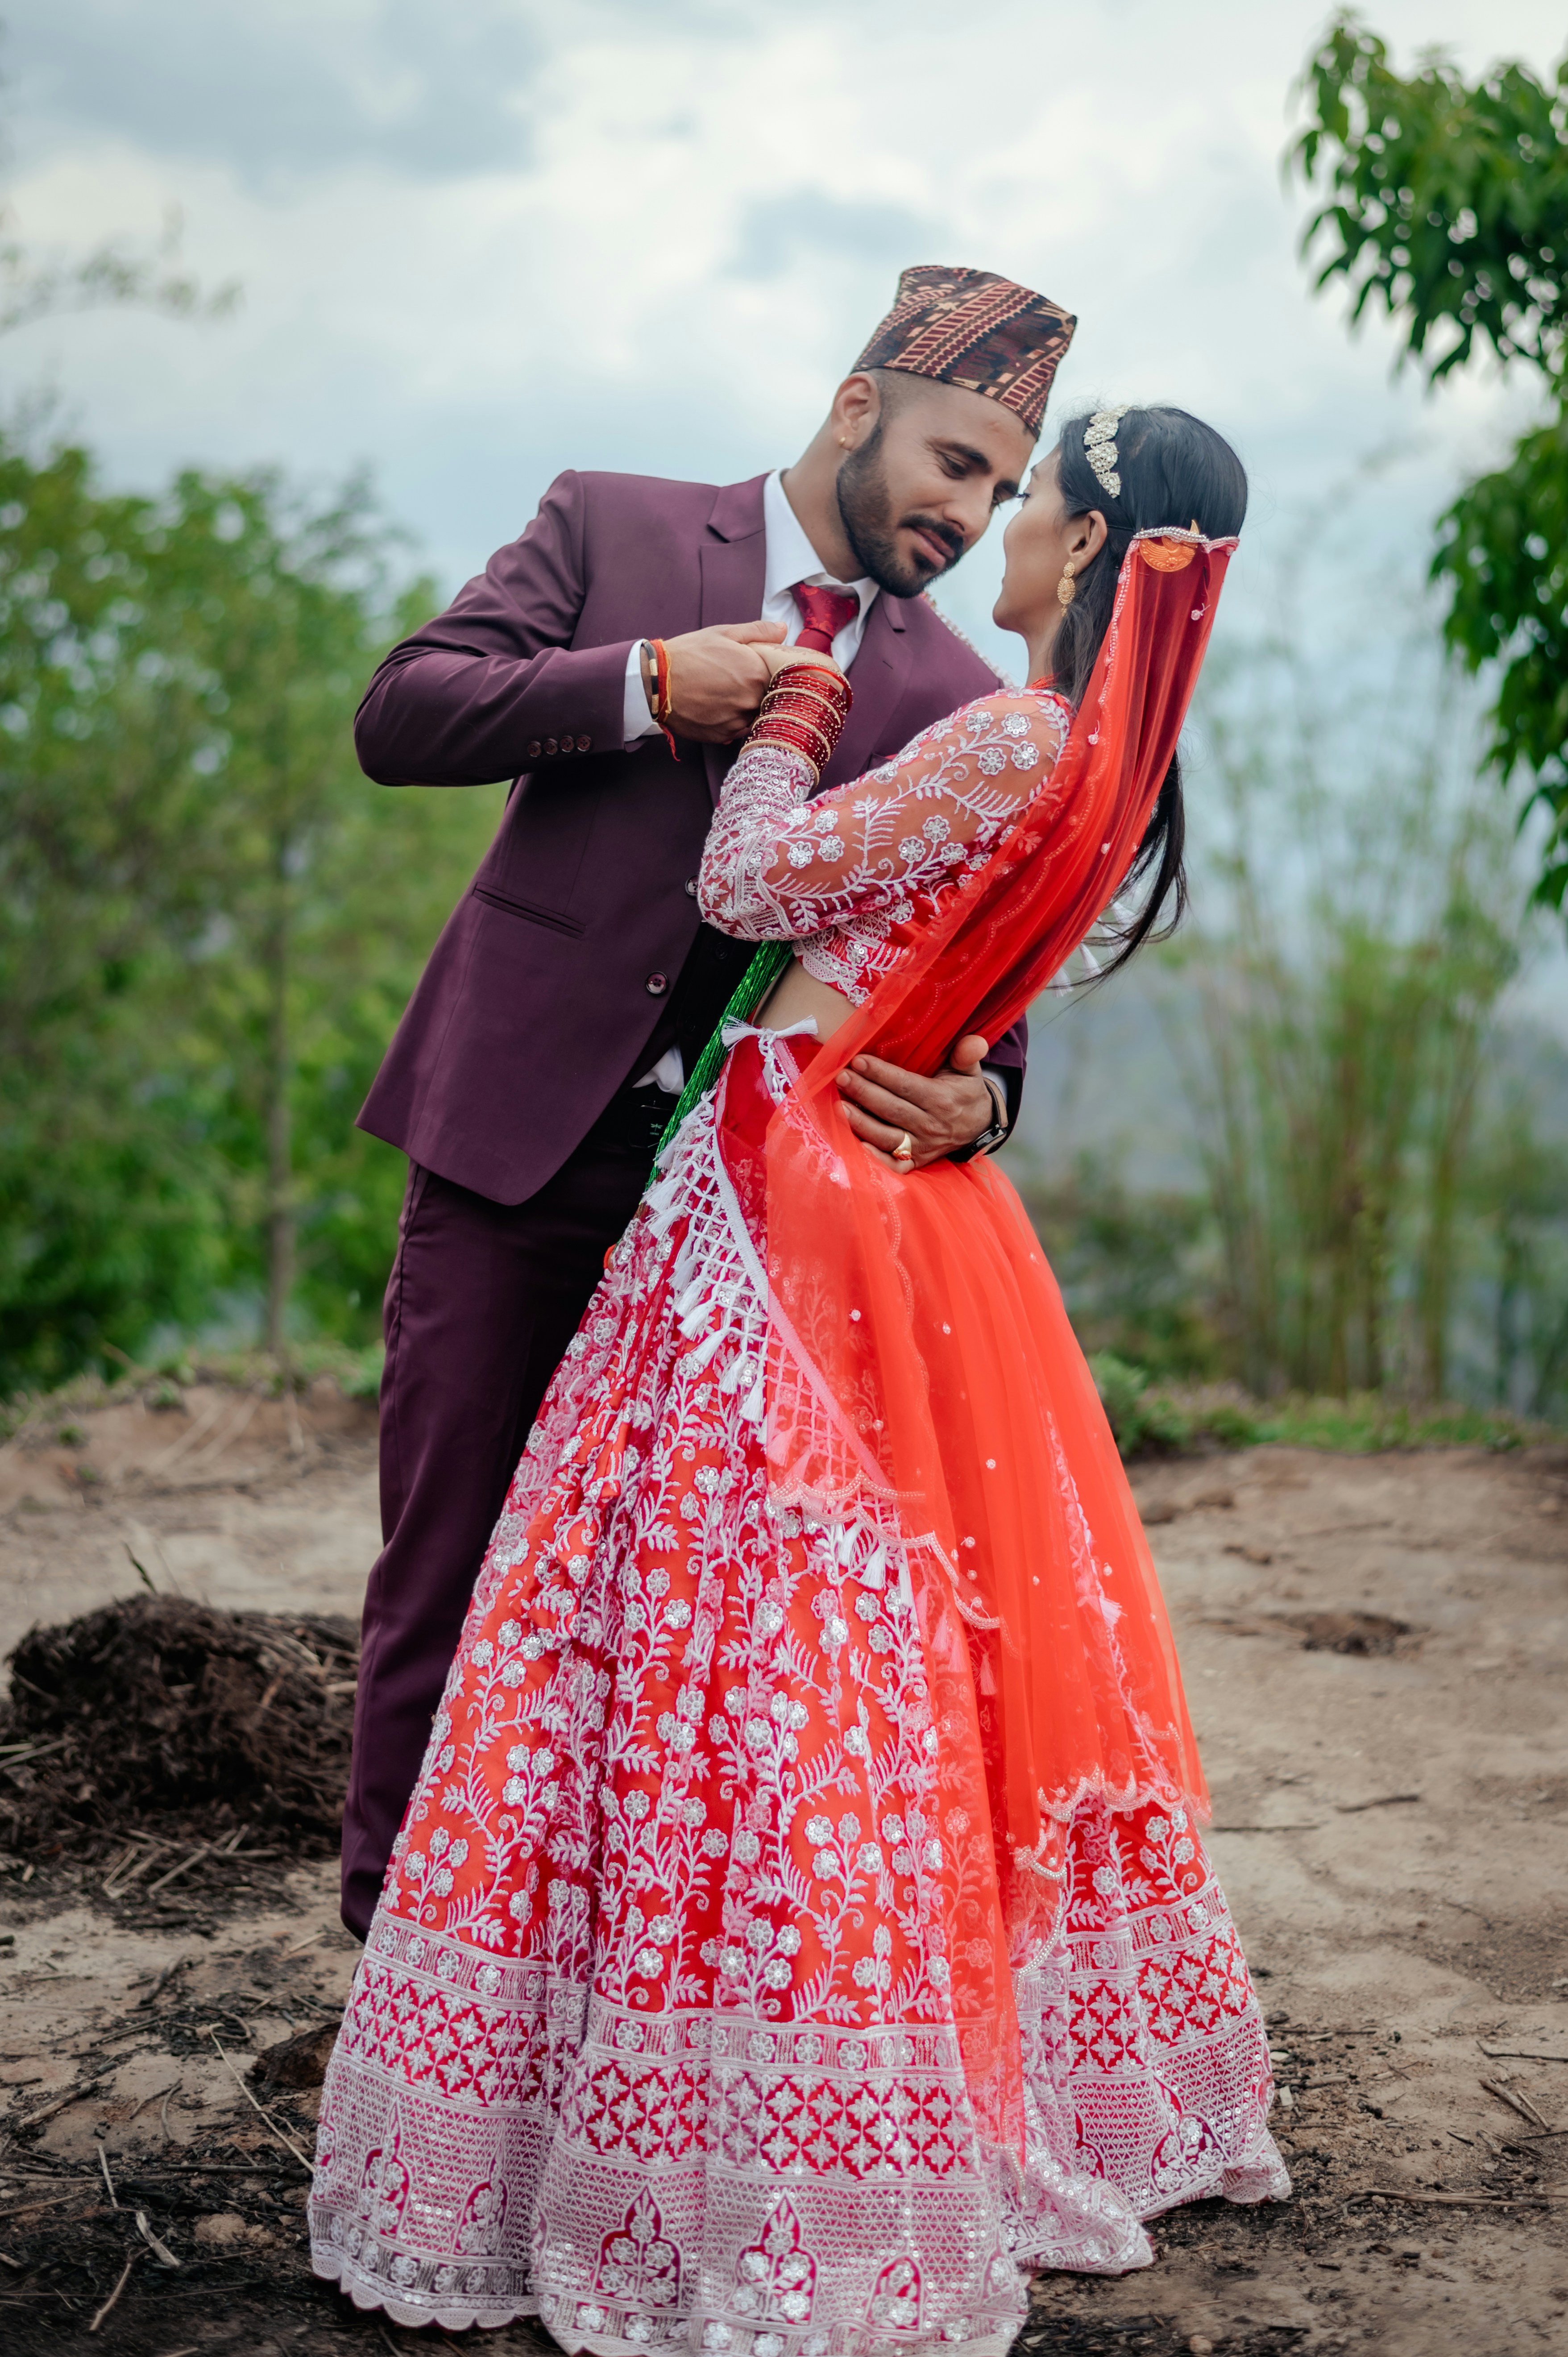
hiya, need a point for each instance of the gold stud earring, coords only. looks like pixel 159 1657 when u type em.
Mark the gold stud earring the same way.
pixel 1066 588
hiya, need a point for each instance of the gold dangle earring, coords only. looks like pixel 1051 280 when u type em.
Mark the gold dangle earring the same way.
pixel 1067 588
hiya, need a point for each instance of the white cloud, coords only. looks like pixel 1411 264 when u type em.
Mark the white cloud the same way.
pixel 481 243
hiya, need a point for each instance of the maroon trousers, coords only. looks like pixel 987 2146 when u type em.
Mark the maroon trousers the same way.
pixel 483 1301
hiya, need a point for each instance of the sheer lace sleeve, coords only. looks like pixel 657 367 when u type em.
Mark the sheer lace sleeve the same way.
pixel 779 868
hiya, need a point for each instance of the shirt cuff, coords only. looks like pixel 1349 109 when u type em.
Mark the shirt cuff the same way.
pixel 639 721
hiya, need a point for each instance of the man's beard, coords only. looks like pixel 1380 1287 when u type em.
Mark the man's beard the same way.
pixel 864 507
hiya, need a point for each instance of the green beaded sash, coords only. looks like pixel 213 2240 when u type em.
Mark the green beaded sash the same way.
pixel 753 987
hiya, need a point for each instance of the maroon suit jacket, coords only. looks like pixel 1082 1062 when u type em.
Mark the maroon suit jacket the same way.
pixel 549 978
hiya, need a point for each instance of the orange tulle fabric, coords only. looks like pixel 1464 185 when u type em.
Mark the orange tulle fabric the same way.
pixel 922 1376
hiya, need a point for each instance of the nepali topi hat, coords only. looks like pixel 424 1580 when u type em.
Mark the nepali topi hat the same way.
pixel 972 328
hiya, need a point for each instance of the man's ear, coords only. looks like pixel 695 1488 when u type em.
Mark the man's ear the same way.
pixel 857 405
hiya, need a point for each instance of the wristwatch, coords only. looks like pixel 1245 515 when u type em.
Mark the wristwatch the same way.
pixel 995 1134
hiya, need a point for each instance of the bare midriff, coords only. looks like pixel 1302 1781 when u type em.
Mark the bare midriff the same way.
pixel 800 996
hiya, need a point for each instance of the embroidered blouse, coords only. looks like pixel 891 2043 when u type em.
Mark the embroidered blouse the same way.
pixel 835 874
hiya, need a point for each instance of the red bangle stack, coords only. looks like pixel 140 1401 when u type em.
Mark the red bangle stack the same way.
pixel 805 708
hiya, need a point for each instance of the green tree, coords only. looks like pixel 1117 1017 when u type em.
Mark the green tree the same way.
pixel 107 1221
pixel 1446 203
pixel 1362 931
pixel 34 285
pixel 209 919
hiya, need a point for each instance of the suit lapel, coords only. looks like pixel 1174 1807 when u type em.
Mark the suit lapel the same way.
pixel 734 560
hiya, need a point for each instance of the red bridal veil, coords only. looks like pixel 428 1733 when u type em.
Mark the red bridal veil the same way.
pixel 923 1381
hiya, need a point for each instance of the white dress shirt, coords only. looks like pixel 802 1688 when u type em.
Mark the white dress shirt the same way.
pixel 789 559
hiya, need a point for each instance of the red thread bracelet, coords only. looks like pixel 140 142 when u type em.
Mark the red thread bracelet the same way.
pixel 662 691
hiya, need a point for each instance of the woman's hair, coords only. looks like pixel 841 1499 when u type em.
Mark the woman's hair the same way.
pixel 1174 470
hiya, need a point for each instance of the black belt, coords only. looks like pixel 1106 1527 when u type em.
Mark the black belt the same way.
pixel 633 1122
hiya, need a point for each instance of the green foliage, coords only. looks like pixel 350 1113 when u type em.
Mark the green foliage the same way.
pixel 1344 1027
pixel 1516 1195
pixel 1132 1269
pixel 1150 1419
pixel 1447 205
pixel 1449 201
pixel 1503 548
pixel 209 919
pixel 33 287
pixel 1144 1421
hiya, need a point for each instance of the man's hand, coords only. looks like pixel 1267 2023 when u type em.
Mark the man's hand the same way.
pixel 717 678
pixel 941 1115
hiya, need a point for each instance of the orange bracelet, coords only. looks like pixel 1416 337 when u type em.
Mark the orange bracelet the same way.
pixel 662 698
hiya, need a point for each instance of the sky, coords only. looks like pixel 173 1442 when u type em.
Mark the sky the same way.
pixel 481 241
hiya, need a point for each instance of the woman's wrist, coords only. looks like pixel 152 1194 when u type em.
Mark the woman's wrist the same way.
pixel 804 709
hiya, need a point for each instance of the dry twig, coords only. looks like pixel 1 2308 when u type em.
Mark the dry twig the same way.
pixel 160 2251
pixel 176 1870
pixel 1515 2101
pixel 1463 2200
pixel 71 2096
pixel 124 2277
pixel 288 2142
pixel 165 2092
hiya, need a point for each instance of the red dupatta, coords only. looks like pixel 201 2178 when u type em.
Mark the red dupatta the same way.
pixel 923 1377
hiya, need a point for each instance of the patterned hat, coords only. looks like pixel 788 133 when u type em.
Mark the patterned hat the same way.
pixel 972 328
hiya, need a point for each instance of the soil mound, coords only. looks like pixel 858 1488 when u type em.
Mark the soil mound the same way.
pixel 159 1709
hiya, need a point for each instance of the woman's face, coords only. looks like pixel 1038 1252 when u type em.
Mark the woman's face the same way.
pixel 1040 540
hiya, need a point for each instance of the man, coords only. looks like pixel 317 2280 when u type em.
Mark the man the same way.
pixel 573 984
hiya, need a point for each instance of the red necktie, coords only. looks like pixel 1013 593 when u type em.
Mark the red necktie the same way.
pixel 823 614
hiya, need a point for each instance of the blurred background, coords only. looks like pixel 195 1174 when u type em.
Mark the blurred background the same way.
pixel 304 306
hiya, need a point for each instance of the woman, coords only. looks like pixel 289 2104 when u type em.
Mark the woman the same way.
pixel 799 1929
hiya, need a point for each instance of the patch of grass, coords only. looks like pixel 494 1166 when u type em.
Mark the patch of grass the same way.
pixel 1153 1420
pixel 1370 1421
pixel 357 1375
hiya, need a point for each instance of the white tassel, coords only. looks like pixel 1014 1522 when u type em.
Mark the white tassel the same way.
pixel 699 1358
pixel 754 1405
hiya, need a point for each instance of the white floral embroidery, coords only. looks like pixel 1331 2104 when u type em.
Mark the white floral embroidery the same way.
pixel 835 874
pixel 659 1915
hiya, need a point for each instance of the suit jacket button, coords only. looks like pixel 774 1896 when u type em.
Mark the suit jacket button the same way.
pixel 583 743
pixel 690 888
pixel 535 749
pixel 657 985
pixel 551 746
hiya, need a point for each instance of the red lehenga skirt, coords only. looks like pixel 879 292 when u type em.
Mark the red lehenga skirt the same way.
pixel 649 2038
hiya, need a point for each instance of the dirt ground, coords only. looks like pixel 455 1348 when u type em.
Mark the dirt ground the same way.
pixel 1375 1651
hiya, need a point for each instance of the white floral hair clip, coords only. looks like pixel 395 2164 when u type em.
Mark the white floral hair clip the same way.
pixel 1100 447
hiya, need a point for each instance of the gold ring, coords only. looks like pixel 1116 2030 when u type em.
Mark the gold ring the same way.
pixel 905 1149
